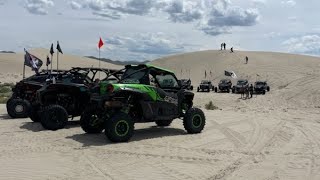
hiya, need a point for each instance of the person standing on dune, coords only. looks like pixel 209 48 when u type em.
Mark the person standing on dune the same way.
pixel 231 49
pixel 247 59
pixel 224 46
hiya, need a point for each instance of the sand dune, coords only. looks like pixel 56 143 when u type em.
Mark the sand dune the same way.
pixel 292 78
pixel 275 136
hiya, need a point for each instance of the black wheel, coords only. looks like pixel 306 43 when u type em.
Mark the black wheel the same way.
pixel 215 89
pixel 268 88
pixel 264 92
pixel 35 114
pixel 18 108
pixel 54 117
pixel 90 121
pixel 119 128
pixel 233 90
pixel 198 89
pixel 194 121
pixel 164 123
pixel 191 88
pixel 208 90
pixel 228 90
pixel 7 104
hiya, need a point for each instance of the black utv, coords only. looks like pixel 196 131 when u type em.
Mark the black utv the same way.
pixel 260 87
pixel 224 86
pixel 143 94
pixel 186 84
pixel 56 102
pixel 205 85
pixel 24 92
pixel 241 86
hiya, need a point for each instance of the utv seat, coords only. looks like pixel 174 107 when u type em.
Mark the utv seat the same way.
pixel 163 94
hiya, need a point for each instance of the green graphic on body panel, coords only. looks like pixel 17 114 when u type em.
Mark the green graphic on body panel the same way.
pixel 150 90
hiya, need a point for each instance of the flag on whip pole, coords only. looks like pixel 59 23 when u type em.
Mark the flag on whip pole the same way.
pixel 59 51
pixel 51 52
pixel 31 61
pixel 48 62
pixel 100 44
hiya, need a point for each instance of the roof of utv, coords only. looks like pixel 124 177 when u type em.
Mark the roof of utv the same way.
pixel 94 69
pixel 150 66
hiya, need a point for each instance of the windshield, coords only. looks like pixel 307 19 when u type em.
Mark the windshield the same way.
pixel 224 81
pixel 135 75
pixel 204 82
pixel 259 83
pixel 242 82
pixel 167 81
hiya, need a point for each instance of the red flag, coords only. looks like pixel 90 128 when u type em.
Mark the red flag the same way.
pixel 100 44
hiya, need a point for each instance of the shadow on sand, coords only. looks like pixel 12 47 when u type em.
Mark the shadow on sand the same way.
pixel 5 117
pixel 36 126
pixel 140 134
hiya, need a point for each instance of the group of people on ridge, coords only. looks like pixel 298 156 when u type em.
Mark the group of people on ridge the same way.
pixel 223 46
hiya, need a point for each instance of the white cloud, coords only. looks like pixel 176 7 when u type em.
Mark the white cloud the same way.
pixel 184 11
pixel 212 17
pixel 272 35
pixel 235 17
pixel 108 14
pixel 309 44
pixel 289 2
pixel 259 1
pixel 3 2
pixel 292 18
pixel 148 43
pixel 39 7
pixel 137 7
pixel 75 5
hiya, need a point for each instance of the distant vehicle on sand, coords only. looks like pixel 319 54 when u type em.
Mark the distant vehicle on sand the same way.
pixel 205 85
pixel 224 86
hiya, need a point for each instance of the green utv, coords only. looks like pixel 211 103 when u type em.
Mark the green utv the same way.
pixel 145 93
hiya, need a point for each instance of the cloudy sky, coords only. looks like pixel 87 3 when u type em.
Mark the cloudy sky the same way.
pixel 148 29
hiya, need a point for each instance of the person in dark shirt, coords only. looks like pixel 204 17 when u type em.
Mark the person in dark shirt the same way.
pixel 251 90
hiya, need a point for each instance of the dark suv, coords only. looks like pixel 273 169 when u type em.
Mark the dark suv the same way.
pixel 205 85
pixel 224 86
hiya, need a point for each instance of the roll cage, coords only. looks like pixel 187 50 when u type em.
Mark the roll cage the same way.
pixel 140 74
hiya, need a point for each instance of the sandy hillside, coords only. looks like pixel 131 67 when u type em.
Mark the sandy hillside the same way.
pixel 294 79
pixel 275 136
pixel 11 65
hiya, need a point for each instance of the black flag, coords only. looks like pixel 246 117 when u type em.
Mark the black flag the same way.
pixel 232 74
pixel 51 49
pixel 227 73
pixel 32 61
pixel 48 61
pixel 59 48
